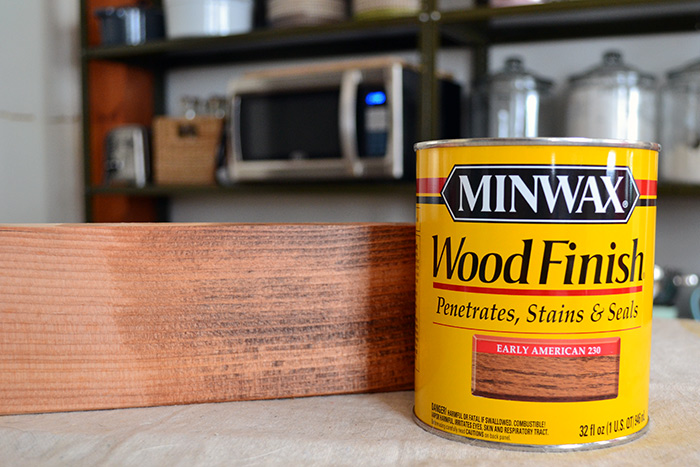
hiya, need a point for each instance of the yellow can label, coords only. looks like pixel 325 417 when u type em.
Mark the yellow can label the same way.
pixel 534 278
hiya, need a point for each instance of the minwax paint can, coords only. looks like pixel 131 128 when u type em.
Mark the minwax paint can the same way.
pixel 534 277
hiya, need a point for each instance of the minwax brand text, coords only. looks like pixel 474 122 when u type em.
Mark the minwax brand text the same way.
pixel 542 194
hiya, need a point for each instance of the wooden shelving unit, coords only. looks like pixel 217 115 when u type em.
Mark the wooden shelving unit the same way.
pixel 124 84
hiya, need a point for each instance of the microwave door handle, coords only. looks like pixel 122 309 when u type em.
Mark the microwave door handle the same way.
pixel 234 153
pixel 140 162
pixel 347 119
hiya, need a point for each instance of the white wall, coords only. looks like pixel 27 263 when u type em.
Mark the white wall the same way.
pixel 40 159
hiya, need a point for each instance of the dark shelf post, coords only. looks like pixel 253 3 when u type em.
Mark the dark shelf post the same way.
pixel 85 117
pixel 429 43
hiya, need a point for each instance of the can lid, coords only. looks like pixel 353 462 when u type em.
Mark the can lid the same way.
pixel 472 142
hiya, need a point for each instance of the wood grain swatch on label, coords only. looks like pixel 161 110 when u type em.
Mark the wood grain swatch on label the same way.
pixel 545 370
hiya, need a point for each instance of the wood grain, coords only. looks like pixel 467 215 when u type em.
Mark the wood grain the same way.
pixel 125 315
pixel 545 379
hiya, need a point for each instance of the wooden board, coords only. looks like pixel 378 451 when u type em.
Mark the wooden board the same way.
pixel 99 316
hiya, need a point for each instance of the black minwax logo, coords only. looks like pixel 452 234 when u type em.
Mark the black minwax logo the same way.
pixel 540 193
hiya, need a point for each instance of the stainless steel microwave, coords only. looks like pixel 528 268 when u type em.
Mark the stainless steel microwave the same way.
pixel 342 120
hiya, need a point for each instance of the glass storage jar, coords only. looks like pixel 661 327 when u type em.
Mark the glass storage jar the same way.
pixel 612 100
pixel 680 126
pixel 517 102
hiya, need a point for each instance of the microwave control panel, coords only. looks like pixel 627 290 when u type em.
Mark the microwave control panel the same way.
pixel 375 116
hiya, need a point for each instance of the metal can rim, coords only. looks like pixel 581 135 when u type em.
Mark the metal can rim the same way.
pixel 534 447
pixel 568 141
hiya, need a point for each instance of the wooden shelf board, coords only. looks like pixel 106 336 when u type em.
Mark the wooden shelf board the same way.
pixel 383 186
pixel 266 44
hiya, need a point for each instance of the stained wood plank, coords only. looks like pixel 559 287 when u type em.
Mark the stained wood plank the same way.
pixel 98 316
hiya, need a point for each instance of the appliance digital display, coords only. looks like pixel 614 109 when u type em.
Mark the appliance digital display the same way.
pixel 375 98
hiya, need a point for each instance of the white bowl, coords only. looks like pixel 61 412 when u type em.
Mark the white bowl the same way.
pixel 196 18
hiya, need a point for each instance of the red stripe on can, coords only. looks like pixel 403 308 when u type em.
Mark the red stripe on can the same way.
pixel 646 187
pixel 430 185
pixel 537 292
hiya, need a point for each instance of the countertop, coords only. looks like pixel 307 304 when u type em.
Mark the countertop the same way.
pixel 364 429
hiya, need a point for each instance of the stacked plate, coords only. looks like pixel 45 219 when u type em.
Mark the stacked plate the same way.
pixel 371 9
pixel 283 13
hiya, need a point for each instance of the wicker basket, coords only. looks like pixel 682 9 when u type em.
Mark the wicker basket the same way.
pixel 184 150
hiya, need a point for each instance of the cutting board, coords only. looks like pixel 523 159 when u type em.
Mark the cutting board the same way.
pixel 99 316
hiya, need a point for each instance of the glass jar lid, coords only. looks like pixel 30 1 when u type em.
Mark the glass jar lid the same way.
pixel 613 71
pixel 685 77
pixel 514 76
